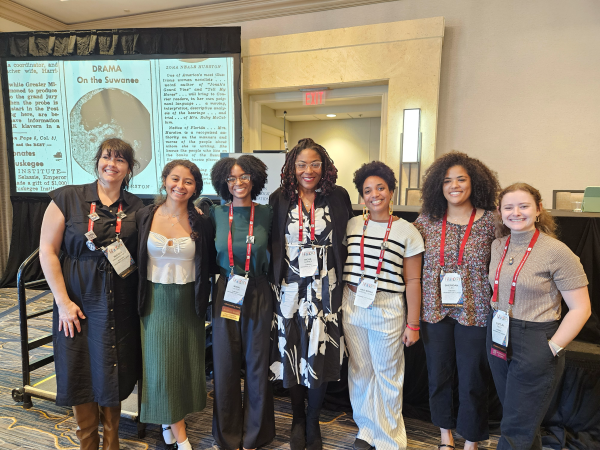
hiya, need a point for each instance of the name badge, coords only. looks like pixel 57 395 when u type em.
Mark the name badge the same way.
pixel 308 262
pixel 234 297
pixel 365 293
pixel 500 327
pixel 452 290
pixel 120 258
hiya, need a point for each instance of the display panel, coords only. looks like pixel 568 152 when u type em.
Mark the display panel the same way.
pixel 60 110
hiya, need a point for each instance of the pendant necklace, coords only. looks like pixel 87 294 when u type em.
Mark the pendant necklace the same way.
pixel 170 216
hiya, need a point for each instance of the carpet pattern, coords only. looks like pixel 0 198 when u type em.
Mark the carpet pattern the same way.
pixel 47 426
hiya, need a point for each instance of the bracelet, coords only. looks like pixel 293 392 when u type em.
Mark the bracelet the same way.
pixel 411 328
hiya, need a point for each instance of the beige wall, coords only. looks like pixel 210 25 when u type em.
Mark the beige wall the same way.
pixel 349 142
pixel 519 81
pixel 405 56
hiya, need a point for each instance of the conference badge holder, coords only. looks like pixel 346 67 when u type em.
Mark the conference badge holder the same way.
pixel 365 293
pixel 120 258
pixel 237 284
pixel 451 289
pixel 500 324
pixel 307 261
pixel 234 297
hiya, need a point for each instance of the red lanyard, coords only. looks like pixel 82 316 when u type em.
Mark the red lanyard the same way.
pixel 301 222
pixel 120 215
pixel 249 239
pixel 513 285
pixel 383 247
pixel 463 243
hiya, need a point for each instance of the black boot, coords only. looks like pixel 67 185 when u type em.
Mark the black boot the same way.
pixel 313 429
pixel 298 434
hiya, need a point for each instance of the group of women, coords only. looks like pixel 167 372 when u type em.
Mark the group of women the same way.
pixel 303 283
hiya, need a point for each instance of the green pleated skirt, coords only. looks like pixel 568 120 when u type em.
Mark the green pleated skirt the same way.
pixel 173 341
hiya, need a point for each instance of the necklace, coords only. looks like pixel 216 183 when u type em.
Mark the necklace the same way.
pixel 166 214
pixel 516 249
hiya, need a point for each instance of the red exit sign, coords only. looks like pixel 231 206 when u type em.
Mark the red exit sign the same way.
pixel 314 98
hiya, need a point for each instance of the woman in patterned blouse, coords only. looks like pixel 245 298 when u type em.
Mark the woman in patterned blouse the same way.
pixel 459 196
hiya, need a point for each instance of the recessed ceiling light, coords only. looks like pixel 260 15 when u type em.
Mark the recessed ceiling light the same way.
pixel 330 115
pixel 127 10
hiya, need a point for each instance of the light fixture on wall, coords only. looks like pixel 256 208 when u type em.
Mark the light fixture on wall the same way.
pixel 410 146
pixel 330 115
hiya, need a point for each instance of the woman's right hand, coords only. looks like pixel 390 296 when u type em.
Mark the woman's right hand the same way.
pixel 68 317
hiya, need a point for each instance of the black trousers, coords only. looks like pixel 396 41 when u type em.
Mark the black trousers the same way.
pixel 525 382
pixel 245 344
pixel 450 346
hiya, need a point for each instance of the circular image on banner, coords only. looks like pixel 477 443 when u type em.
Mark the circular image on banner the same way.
pixel 108 113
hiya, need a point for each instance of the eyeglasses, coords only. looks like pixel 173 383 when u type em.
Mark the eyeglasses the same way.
pixel 243 179
pixel 315 165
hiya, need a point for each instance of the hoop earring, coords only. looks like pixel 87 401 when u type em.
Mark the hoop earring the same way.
pixel 391 208
pixel 365 213
pixel 537 219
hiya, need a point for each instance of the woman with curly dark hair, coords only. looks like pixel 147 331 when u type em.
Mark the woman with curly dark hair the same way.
pixel 457 225
pixel 242 306
pixel 311 213
pixel 381 306
pixel 176 251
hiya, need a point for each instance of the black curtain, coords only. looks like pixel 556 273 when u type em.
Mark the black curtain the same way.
pixel 28 212
pixel 135 41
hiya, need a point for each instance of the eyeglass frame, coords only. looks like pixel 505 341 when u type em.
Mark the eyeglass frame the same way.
pixel 232 180
pixel 319 163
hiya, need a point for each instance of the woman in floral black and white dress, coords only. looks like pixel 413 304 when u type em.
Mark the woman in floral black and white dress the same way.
pixel 308 345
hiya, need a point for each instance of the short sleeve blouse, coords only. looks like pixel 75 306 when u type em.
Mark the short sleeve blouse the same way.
pixel 474 270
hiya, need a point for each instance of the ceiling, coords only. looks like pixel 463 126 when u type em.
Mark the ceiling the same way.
pixel 74 11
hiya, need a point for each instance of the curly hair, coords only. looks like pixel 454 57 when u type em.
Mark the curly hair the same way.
pixel 193 215
pixel 546 223
pixel 484 184
pixel 122 149
pixel 289 182
pixel 374 169
pixel 250 164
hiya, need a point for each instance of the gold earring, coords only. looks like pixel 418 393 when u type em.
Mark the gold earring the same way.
pixel 391 208
pixel 537 219
pixel 365 213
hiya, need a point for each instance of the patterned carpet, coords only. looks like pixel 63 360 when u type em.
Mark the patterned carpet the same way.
pixel 47 426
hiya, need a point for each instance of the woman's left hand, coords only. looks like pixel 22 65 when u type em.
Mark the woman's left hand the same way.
pixel 410 337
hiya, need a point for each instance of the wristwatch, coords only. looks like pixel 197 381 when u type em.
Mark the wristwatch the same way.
pixel 557 348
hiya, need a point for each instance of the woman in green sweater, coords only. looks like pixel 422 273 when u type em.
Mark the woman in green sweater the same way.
pixel 242 307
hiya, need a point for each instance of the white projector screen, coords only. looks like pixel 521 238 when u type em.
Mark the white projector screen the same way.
pixel 60 110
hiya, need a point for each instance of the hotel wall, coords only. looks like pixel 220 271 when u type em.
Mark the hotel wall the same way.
pixel 519 81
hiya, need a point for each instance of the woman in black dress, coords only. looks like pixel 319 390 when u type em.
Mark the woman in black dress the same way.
pixel 308 258
pixel 95 324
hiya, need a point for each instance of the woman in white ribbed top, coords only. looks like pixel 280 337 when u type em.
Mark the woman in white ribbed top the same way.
pixel 172 322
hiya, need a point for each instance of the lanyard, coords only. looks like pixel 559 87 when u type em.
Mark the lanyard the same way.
pixel 120 215
pixel 301 220
pixel 513 285
pixel 463 243
pixel 249 239
pixel 384 245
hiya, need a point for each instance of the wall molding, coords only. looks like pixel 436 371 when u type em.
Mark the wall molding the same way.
pixel 224 13
pixel 204 15
pixel 28 17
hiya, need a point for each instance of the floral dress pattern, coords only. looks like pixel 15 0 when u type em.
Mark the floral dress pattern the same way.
pixel 307 331
pixel 474 270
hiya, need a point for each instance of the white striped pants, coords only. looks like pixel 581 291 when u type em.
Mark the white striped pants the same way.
pixel 376 368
